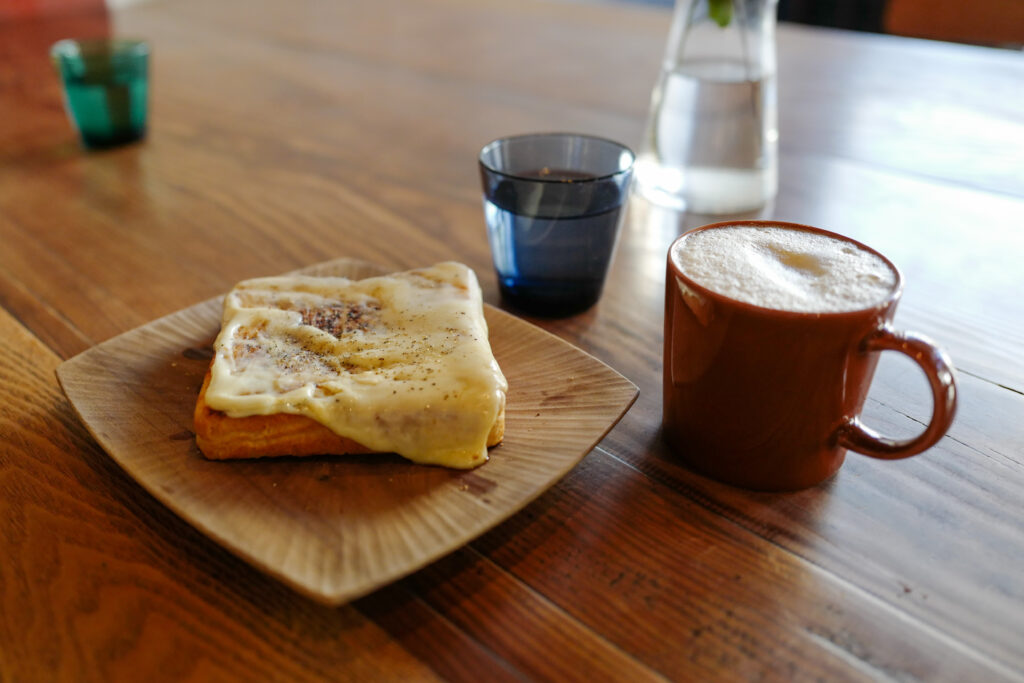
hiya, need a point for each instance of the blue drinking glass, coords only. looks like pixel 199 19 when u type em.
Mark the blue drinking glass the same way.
pixel 553 204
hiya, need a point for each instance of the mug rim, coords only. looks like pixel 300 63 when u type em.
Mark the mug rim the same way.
pixel 585 136
pixel 894 294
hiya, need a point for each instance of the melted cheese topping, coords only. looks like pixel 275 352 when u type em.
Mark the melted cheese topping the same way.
pixel 399 363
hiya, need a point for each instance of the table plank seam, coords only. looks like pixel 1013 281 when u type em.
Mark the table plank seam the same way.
pixel 959 184
pixel 472 549
pixel 949 435
pixel 16 299
pixel 1004 668
pixel 366 606
pixel 990 381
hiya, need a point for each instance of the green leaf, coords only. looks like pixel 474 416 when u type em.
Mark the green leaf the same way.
pixel 720 11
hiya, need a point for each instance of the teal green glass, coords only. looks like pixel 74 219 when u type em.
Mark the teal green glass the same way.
pixel 106 88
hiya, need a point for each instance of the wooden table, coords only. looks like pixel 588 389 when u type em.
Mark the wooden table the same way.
pixel 285 134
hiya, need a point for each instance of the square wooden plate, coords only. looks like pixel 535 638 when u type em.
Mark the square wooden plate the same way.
pixel 335 528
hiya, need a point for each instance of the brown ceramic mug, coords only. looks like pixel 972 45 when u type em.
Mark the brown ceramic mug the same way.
pixel 766 394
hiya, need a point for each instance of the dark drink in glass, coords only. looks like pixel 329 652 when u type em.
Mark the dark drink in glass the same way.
pixel 553 225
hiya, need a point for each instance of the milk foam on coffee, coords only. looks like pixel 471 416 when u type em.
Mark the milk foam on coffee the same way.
pixel 785 268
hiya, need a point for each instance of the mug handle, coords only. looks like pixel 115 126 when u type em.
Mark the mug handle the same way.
pixel 854 435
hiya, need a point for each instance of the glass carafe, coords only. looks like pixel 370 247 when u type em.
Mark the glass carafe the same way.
pixel 711 144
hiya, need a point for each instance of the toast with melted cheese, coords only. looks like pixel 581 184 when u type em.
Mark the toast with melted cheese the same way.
pixel 325 365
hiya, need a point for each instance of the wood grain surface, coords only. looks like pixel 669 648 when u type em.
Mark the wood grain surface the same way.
pixel 287 134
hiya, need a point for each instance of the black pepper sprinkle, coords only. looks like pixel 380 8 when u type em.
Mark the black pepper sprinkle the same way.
pixel 341 318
